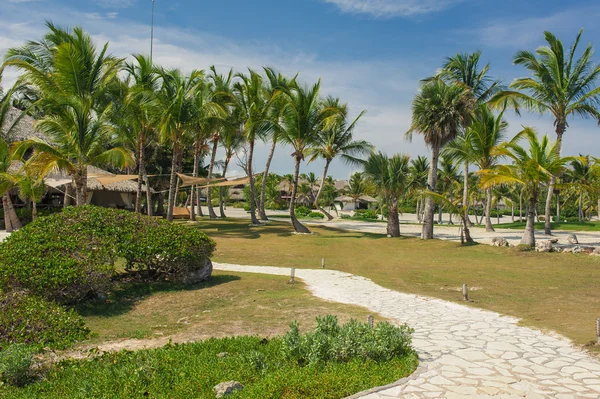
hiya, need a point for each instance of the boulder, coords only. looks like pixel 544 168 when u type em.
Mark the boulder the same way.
pixel 499 242
pixel 227 388
pixel 596 251
pixel 196 276
pixel 572 239
pixel 543 246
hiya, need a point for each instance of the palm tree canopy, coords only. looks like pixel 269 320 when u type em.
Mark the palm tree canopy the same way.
pixel 439 111
pixel 390 175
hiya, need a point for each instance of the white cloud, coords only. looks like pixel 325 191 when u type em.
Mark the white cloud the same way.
pixel 393 8
pixel 116 3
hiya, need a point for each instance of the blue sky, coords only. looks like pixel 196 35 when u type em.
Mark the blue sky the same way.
pixel 371 53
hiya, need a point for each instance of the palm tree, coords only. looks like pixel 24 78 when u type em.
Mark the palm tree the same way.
pixel 72 86
pixel 532 167
pixel 448 176
pixel 31 189
pixel 581 177
pixel 142 113
pixel 303 117
pixel 255 103
pixel 419 168
pixel 390 176
pixel 177 98
pixel 232 141
pixel 7 182
pixel 337 141
pixel 560 85
pixel 357 187
pixel 440 111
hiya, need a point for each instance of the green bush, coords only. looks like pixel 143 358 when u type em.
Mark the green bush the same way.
pixel 27 319
pixel 367 214
pixel 15 364
pixel 238 205
pixel 344 216
pixel 70 256
pixel 24 214
pixel 330 342
pixel 316 215
pixel 303 211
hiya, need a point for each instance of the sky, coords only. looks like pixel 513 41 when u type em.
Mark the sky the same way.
pixel 370 53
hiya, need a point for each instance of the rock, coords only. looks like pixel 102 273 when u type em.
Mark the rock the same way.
pixel 195 276
pixel 227 388
pixel 543 246
pixel 222 354
pixel 596 251
pixel 553 240
pixel 576 249
pixel 572 239
pixel 101 297
pixel 499 242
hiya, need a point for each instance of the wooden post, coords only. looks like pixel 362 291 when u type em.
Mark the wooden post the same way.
pixel 323 263
pixel 598 330
pixel 465 292
pixel 370 320
pixel 292 275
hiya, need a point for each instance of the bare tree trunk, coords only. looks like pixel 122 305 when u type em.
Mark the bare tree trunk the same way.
pixel 68 198
pixel 173 183
pixel 440 215
pixel 316 203
pixel 529 235
pixel 211 211
pixel 161 204
pixel 33 210
pixel 148 193
pixel 299 227
pixel 427 233
pixel 140 156
pixel 195 174
pixel 252 201
pixel 221 190
pixel 512 211
pixel 7 224
pixel 418 210
pixel 598 208
pixel 81 186
pixel 488 210
pixel 465 201
pixel 560 130
pixel 393 221
pixel 15 223
pixel 263 188
pixel 558 206
pixel 521 207
pixel 580 208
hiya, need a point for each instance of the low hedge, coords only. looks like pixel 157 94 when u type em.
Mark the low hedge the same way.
pixel 70 256
pixel 27 319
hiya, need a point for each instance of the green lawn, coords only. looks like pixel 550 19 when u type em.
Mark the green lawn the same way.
pixel 570 226
pixel 553 291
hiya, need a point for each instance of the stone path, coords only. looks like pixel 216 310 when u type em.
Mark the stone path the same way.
pixel 464 352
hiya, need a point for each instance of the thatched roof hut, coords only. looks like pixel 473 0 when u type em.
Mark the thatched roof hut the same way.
pixel 23 130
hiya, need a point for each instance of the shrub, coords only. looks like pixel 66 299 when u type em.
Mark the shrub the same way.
pixel 367 214
pixel 330 342
pixel 238 205
pixel 15 364
pixel 70 256
pixel 344 216
pixel 27 319
pixel 318 215
pixel 303 211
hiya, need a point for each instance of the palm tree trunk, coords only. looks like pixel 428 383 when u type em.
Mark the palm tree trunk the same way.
pixel 558 206
pixel 221 189
pixel 520 207
pixel 488 210
pixel 393 221
pixel 440 215
pixel 261 206
pixel 140 157
pixel 15 223
pixel 427 233
pixel 560 130
pixel 465 201
pixel 299 227
pixel 81 186
pixel 173 183
pixel 68 198
pixel 252 188
pixel 529 235
pixel 213 156
pixel 512 211
pixel 598 208
pixel 7 224
pixel 195 174
pixel 148 193
pixel 33 210
pixel 316 203
pixel 580 213
pixel 418 210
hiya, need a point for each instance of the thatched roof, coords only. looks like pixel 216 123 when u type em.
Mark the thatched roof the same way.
pixel 362 198
pixel 23 130
pixel 340 185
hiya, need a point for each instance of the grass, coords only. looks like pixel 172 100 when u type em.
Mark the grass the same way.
pixel 569 226
pixel 192 370
pixel 228 304
pixel 551 291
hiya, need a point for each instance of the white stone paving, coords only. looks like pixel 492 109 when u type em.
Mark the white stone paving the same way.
pixel 464 352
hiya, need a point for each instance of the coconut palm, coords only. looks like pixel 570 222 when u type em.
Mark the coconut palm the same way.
pixel 77 118
pixel 532 167
pixel 337 141
pixel 581 177
pixel 303 117
pixel 448 177
pixel 419 168
pixel 232 141
pixel 358 185
pixel 390 177
pixel 7 182
pixel 560 85
pixel 440 111
pixel 31 189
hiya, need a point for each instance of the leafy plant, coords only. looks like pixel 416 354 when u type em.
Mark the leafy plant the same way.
pixel 318 215
pixel 303 211
pixel 15 364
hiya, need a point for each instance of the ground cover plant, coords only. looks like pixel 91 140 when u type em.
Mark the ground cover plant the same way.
pixel 548 291
pixel 266 367
pixel 569 226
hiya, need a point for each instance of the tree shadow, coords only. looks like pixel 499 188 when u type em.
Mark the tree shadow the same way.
pixel 127 293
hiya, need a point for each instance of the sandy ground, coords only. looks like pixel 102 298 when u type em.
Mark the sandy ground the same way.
pixel 443 232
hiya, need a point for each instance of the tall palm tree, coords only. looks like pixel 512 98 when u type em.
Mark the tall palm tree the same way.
pixel 464 69
pixel 141 111
pixel 254 101
pixel 390 176
pixel 419 168
pixel 303 117
pixel 581 177
pixel 7 182
pixel 440 111
pixel 448 177
pixel 232 141
pixel 560 85
pixel 337 141
pixel 532 167
pixel 177 98
pixel 72 86
pixel 358 185
pixel 31 189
